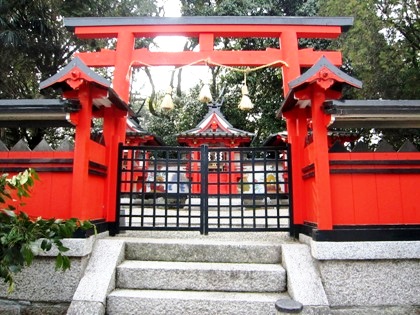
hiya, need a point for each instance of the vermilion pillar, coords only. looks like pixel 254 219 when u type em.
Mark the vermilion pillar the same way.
pixel 80 199
pixel 114 133
pixel 305 100
pixel 289 48
pixel 122 72
pixel 297 130
pixel 322 191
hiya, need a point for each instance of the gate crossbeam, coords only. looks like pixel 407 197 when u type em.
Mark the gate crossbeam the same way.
pixel 126 29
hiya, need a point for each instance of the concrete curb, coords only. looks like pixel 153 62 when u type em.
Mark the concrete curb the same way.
pixel 99 278
pixel 303 279
pixel 362 250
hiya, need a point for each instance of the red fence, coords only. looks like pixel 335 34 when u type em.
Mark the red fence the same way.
pixel 367 188
pixel 52 196
pixel 375 188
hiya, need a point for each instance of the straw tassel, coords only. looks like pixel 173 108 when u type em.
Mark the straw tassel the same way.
pixel 245 103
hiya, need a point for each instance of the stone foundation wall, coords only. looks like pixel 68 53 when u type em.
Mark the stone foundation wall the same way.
pixel 40 289
pixel 369 277
pixel 371 283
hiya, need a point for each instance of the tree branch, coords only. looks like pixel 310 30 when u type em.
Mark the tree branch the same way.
pixel 153 95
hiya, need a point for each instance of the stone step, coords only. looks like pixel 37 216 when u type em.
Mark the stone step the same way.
pixel 160 275
pixel 147 302
pixel 202 250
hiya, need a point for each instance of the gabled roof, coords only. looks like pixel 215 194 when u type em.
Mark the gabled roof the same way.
pixel 134 130
pixel 76 71
pixel 213 125
pixel 278 139
pixel 313 74
pixel 323 72
pixel 59 80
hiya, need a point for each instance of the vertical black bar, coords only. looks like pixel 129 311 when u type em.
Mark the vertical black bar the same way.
pixel 143 183
pixel 290 186
pixel 166 213
pixel 277 160
pixel 204 197
pixel 242 186
pixel 116 226
pixel 130 154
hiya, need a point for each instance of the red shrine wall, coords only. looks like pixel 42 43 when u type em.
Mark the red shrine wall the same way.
pixel 384 187
pixel 373 188
pixel 97 180
pixel 51 196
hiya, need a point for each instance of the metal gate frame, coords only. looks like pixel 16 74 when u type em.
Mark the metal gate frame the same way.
pixel 206 189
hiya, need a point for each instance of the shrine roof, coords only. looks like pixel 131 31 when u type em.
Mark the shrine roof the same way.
pixel 344 22
pixel 214 124
pixel 77 68
pixel 323 62
pixel 56 80
pixel 36 112
pixel 276 139
pixel 134 130
pixel 373 113
pixel 313 74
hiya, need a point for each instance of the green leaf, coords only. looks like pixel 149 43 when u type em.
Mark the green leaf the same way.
pixel 59 262
pixel 46 245
pixel 19 234
pixel 23 178
pixel 10 213
pixel 27 253
pixel 62 248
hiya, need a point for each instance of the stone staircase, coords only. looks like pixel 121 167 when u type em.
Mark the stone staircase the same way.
pixel 198 276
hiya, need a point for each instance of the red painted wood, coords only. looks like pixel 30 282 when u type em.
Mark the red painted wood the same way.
pixel 206 41
pixel 375 199
pixel 142 57
pixel 289 47
pixel 322 189
pixel 223 30
pixel 122 72
pixel 80 200
pixel 342 199
pixel 51 195
pixel 297 130
pixel 114 132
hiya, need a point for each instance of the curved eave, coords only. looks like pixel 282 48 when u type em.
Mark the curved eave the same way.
pixel 76 64
pixel 310 77
pixel 147 138
pixel 275 140
pixel 59 82
pixel 212 135
pixel 213 138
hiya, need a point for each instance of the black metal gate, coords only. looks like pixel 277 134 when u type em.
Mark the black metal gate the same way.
pixel 204 189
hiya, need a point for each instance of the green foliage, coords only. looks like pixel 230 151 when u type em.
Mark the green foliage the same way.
pixel 381 50
pixel 34 45
pixel 187 113
pixel 22 237
pixel 265 86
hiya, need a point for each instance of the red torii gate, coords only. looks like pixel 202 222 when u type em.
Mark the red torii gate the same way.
pixel 206 28
pixel 127 29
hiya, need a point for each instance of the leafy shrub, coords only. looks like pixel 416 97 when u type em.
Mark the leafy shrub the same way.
pixel 22 237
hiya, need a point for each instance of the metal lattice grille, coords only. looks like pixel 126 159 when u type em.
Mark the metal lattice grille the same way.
pixel 204 189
